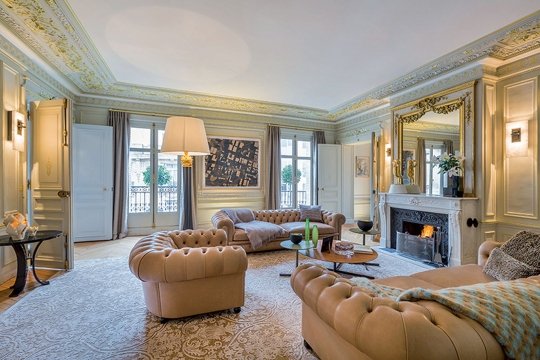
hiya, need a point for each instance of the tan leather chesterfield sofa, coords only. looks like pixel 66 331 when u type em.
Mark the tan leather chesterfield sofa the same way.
pixel 288 219
pixel 189 272
pixel 340 321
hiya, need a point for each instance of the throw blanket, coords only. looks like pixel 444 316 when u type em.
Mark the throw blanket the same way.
pixel 240 215
pixel 260 233
pixel 509 310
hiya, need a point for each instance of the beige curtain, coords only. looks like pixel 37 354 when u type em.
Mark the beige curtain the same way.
pixel 273 178
pixel 120 123
pixel 318 138
pixel 421 161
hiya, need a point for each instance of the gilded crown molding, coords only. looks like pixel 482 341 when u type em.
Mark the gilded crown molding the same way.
pixel 525 64
pixel 51 29
pixel 206 113
pixel 432 128
pixel 42 84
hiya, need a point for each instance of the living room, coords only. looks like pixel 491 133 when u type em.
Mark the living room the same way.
pixel 329 77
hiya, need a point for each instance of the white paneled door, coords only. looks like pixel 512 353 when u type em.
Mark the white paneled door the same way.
pixel 92 169
pixel 49 181
pixel 329 176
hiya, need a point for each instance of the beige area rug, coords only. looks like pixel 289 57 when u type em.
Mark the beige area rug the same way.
pixel 97 311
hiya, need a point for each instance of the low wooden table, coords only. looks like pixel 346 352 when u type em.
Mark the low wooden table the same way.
pixel 339 260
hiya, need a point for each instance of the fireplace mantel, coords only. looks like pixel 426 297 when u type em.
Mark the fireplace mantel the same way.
pixel 462 239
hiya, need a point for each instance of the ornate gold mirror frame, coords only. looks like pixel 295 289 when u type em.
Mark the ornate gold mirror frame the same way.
pixel 460 98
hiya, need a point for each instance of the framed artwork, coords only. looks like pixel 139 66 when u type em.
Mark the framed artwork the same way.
pixel 232 163
pixel 407 155
pixel 361 166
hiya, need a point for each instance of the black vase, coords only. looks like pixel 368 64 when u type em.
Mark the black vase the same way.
pixel 456 185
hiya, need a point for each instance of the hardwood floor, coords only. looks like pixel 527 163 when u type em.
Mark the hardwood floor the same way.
pixel 86 250
pixel 109 249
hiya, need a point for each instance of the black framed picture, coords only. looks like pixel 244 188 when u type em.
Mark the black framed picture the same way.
pixel 232 163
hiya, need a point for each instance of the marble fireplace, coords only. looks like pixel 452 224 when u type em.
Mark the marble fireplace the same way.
pixel 453 241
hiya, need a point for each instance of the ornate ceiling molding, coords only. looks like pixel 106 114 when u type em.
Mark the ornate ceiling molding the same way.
pixel 51 29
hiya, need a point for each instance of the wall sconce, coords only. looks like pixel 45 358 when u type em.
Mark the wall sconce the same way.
pixel 517 138
pixel 388 150
pixel 15 132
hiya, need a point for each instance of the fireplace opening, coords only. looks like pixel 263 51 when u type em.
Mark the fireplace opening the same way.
pixel 421 242
pixel 420 235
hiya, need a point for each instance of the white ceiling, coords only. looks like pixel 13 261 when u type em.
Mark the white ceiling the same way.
pixel 314 53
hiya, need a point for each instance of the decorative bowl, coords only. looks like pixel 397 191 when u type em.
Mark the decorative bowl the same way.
pixel 365 225
pixel 296 238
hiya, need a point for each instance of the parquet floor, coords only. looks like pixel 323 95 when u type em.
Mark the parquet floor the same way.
pixel 108 249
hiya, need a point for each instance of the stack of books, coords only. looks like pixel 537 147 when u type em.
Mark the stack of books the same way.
pixel 362 249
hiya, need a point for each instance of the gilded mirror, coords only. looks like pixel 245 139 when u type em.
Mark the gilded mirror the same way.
pixel 427 128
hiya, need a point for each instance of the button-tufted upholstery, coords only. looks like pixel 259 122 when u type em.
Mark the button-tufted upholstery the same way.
pixel 340 321
pixel 189 272
pixel 288 219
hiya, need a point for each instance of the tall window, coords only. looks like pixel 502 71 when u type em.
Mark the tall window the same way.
pixel 153 178
pixel 434 180
pixel 296 170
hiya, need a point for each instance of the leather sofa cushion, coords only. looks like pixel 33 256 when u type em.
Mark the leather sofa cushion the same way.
pixel 405 282
pixel 455 276
pixel 440 278
pixel 299 227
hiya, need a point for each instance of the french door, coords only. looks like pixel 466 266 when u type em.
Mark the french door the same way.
pixel 153 181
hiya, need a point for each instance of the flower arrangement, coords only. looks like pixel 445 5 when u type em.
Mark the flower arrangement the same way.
pixel 450 163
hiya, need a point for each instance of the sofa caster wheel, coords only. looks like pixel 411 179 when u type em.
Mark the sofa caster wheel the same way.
pixel 163 320
pixel 306 345
pixel 237 310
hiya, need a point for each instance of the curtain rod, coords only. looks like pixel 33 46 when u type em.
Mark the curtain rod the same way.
pixel 137 112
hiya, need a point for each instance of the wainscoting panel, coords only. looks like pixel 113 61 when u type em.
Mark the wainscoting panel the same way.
pixel 488 171
pixel 520 158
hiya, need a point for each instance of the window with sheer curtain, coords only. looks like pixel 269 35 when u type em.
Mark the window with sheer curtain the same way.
pixel 296 169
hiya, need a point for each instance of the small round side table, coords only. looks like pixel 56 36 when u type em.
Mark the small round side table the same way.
pixel 303 245
pixel 364 233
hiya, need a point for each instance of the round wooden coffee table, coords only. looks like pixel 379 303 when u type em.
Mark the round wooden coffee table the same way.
pixel 339 260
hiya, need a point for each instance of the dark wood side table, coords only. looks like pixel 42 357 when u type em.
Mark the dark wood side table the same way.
pixel 23 255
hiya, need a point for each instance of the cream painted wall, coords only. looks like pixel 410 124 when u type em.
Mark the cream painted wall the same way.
pixel 517 163
pixel 11 164
pixel 217 124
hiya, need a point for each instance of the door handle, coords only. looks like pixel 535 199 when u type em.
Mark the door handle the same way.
pixel 64 194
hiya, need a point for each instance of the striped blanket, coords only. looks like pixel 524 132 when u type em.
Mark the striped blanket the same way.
pixel 509 310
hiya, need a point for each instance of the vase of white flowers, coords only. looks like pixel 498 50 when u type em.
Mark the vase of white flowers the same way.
pixel 452 165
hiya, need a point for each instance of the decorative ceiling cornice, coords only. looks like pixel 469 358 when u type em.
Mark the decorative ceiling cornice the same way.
pixel 51 29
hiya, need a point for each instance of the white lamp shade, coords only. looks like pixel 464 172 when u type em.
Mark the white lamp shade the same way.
pixel 185 134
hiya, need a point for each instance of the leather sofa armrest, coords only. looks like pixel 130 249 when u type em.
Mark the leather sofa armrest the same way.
pixel 155 259
pixel 485 250
pixel 383 328
pixel 221 220
pixel 334 219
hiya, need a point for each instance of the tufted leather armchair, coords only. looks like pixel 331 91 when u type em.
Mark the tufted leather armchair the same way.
pixel 341 321
pixel 189 272
pixel 289 219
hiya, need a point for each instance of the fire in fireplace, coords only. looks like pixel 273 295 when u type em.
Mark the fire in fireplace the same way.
pixel 420 235
pixel 425 246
